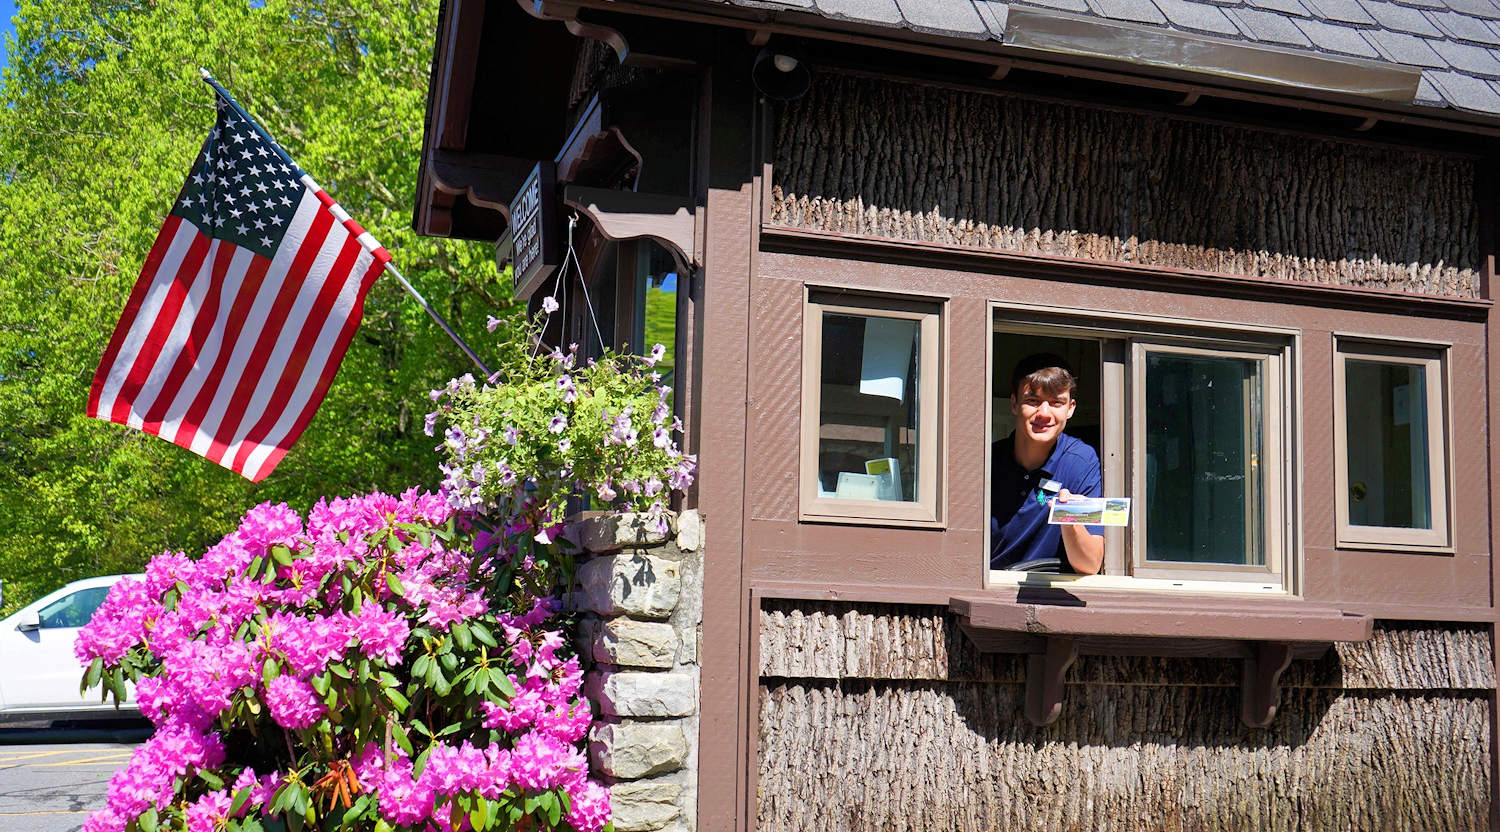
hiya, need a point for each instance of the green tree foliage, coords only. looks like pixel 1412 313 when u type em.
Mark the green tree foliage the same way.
pixel 102 114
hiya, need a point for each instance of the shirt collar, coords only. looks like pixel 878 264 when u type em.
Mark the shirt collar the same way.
pixel 1049 467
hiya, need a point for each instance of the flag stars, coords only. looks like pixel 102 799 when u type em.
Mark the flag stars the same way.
pixel 265 241
pixel 260 225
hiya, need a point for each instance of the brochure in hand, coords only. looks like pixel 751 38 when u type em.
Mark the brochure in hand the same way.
pixel 1093 511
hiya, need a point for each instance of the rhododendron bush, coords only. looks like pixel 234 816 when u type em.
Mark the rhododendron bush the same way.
pixel 393 662
pixel 358 671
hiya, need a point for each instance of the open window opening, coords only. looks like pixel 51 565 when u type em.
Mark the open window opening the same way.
pixel 1191 423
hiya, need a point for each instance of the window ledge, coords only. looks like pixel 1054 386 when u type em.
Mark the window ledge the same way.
pixel 1054 627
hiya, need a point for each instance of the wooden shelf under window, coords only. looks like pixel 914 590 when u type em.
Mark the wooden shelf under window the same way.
pixel 1053 627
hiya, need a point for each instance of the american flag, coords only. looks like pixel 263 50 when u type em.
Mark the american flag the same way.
pixel 243 309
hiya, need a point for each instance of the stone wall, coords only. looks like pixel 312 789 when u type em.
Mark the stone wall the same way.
pixel 640 596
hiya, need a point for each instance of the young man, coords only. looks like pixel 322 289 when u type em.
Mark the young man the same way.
pixel 1039 463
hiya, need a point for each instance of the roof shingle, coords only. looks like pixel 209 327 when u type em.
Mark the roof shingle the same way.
pixel 1456 42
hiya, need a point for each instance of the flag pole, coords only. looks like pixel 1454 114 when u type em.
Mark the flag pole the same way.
pixel 365 239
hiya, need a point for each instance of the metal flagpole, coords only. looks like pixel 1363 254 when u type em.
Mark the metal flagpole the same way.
pixel 365 239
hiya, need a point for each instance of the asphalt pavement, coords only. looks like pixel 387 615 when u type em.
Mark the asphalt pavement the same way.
pixel 51 778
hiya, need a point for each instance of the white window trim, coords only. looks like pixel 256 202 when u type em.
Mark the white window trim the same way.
pixel 1436 359
pixel 1158 329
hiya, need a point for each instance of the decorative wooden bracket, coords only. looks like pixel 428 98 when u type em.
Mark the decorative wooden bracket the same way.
pixel 628 215
pixel 1044 679
pixel 1053 626
pixel 1260 683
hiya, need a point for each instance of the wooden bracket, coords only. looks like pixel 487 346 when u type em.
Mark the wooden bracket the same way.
pixel 1260 682
pixel 1044 679
pixel 628 215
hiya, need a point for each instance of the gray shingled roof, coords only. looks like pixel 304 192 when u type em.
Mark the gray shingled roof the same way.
pixel 1456 43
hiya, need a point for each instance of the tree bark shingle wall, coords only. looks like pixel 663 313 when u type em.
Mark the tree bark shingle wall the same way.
pixel 927 163
pixel 883 717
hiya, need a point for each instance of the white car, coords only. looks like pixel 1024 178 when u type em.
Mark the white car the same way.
pixel 39 675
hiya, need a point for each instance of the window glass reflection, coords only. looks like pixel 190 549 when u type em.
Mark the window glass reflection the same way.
pixel 1385 407
pixel 1204 495
pixel 867 421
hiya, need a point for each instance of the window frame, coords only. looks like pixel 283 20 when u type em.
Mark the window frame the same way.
pixel 1275 414
pixel 928 312
pixel 1436 360
pixel 1122 378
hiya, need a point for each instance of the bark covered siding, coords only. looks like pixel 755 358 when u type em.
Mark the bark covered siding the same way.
pixel 883 717
pixel 925 163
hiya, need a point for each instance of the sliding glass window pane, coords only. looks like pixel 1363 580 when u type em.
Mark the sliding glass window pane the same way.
pixel 867 424
pixel 1385 407
pixel 1204 495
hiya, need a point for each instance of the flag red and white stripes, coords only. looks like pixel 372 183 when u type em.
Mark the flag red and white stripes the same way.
pixel 243 310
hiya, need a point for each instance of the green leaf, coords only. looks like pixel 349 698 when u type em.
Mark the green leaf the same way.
pixel 482 633
pixel 402 739
pixel 214 781
pixel 479 816
pixel 240 798
pixel 147 821
pixel 92 675
pixel 281 554
pixel 461 636
pixel 396 699
pixel 270 670
pixel 554 809
pixel 395 584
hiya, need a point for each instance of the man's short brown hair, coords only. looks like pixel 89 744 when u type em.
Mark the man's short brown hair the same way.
pixel 1044 373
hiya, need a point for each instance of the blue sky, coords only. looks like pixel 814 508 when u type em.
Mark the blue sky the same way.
pixel 7 11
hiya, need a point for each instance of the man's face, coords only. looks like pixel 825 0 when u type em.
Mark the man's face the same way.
pixel 1041 416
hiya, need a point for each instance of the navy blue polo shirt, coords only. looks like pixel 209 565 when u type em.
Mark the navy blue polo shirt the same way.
pixel 1019 531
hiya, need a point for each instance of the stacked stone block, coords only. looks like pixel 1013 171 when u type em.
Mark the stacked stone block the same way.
pixel 641 598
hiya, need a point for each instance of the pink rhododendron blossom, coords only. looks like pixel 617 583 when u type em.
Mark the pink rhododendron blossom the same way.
pixel 589 809
pixel 380 633
pixel 293 702
pixel 208 813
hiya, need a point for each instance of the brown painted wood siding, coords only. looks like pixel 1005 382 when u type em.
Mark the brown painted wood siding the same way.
pixel 913 162
pixel 881 717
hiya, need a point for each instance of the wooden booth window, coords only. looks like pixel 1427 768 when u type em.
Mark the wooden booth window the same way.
pixel 870 409
pixel 1193 422
pixel 1391 445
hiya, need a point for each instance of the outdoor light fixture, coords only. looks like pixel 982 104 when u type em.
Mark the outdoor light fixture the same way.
pixel 780 73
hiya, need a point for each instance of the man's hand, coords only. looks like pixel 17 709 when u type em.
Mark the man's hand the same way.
pixel 1085 551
